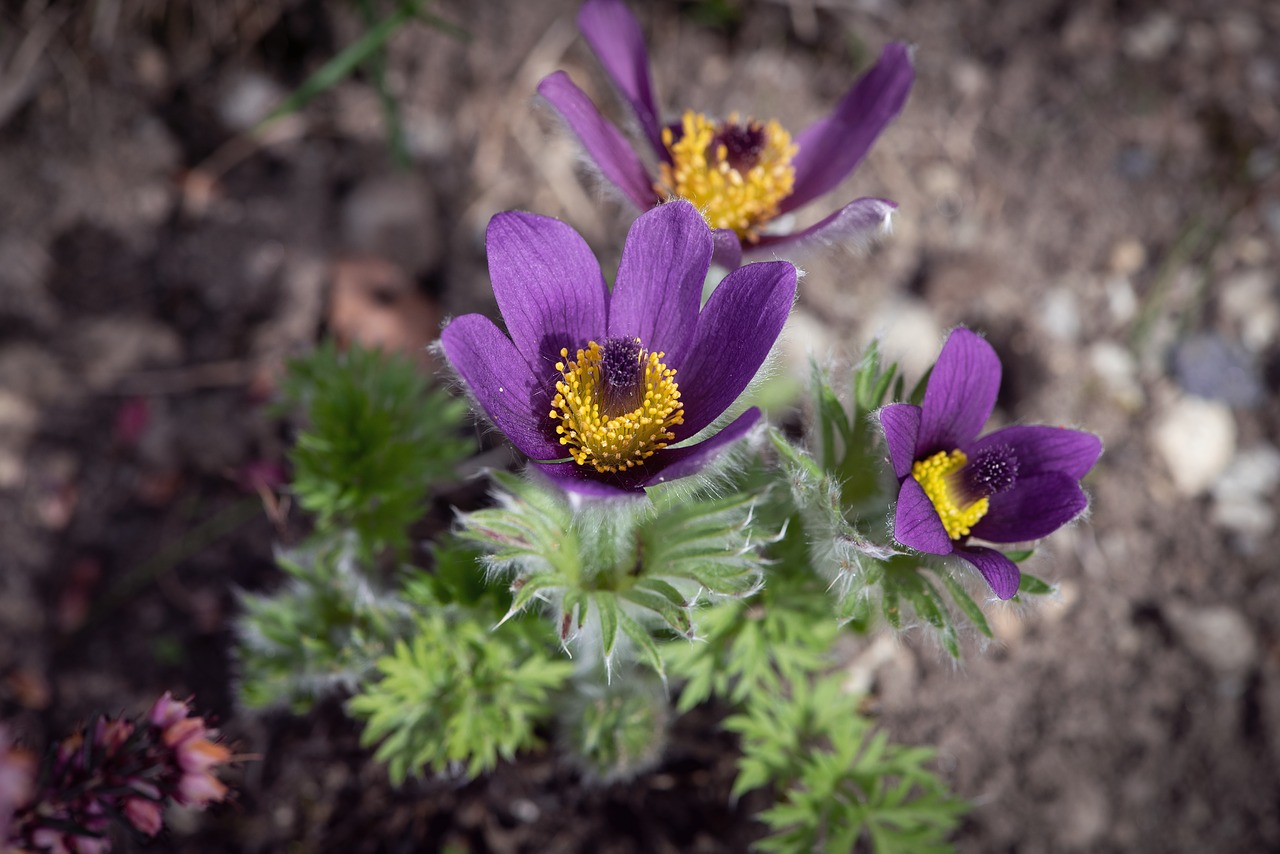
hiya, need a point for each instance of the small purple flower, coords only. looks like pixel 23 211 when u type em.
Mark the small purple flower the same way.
pixel 741 174
pixel 1016 484
pixel 613 380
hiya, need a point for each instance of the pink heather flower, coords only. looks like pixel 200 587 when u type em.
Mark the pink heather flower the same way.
pixel 196 756
pixel 17 780
pixel 110 735
pixel 166 711
pixel 115 768
pixel 145 814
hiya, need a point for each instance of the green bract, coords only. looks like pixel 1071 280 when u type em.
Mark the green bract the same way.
pixel 619 576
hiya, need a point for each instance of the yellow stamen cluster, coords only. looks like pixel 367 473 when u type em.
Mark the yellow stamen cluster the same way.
pixel 607 440
pixel 936 477
pixel 728 198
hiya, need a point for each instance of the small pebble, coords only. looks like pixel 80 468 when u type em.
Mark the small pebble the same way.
pixel 1153 37
pixel 1196 438
pixel 1128 256
pixel 1216 635
pixel 1060 314
pixel 1115 366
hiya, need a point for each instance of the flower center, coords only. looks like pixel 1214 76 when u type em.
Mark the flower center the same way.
pixel 735 173
pixel 616 404
pixel 960 489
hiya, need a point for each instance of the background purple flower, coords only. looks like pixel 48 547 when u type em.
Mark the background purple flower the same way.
pixel 556 305
pixel 1016 484
pixel 823 154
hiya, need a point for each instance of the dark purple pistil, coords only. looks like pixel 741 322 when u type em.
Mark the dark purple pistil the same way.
pixel 743 144
pixel 620 374
pixel 989 471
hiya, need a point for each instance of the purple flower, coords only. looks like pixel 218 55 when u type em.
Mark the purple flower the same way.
pixel 613 380
pixel 1016 484
pixel 741 173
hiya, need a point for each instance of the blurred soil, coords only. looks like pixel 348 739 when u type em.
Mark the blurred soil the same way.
pixel 1095 185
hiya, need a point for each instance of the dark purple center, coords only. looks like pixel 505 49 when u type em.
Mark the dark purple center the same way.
pixel 990 471
pixel 620 375
pixel 743 144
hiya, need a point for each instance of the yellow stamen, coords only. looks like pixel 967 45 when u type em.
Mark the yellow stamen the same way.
pixel 936 477
pixel 703 172
pixel 608 441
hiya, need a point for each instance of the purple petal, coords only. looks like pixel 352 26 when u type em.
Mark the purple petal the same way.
pixel 1035 507
pixel 502 383
pixel 548 286
pixel 669 465
pixel 961 393
pixel 1001 573
pixel 665 466
pixel 586 481
pixel 916 522
pixel 735 332
pixel 728 251
pixel 901 425
pixel 615 38
pixel 831 147
pixel 659 286
pixel 1046 449
pixel 603 141
pixel 855 226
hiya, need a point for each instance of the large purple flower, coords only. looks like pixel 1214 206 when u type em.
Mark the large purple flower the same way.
pixel 612 381
pixel 1016 484
pixel 741 173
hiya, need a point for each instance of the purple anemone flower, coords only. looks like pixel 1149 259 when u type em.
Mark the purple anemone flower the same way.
pixel 1013 485
pixel 741 173
pixel 615 381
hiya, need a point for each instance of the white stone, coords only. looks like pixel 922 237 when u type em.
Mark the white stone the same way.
pixel 1241 495
pixel 1218 636
pixel 17 414
pixel 247 99
pixel 1060 314
pixel 1196 438
pixel 1122 301
pixel 1254 472
pixel 1128 256
pixel 909 334
pixel 13 468
pixel 860 673
pixel 1249 300
pixel 1115 366
pixel 1152 38
pixel 1247 515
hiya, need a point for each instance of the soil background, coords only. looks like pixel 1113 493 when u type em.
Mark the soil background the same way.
pixel 1094 185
